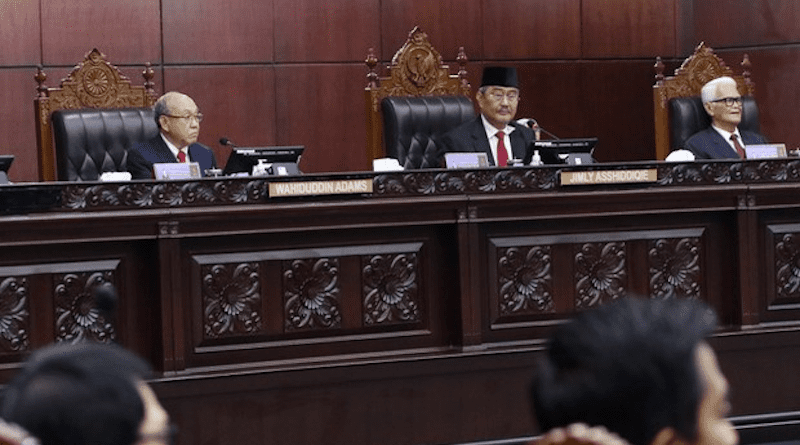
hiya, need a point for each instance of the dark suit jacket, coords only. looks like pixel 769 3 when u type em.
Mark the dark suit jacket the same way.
pixel 471 137
pixel 142 156
pixel 709 144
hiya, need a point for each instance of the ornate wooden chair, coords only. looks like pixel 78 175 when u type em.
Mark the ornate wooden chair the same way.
pixel 679 111
pixel 416 103
pixel 84 126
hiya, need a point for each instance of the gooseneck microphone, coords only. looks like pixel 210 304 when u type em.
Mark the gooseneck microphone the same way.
pixel 227 142
pixel 533 125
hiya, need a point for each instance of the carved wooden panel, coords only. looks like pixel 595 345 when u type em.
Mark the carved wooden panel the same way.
pixel 675 267
pixel 311 294
pixel 77 315
pixel 264 300
pixel 787 267
pixel 14 314
pixel 525 280
pixel 231 300
pixel 542 278
pixel 600 273
pixel 391 289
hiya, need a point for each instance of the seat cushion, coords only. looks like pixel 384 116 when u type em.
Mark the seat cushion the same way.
pixel 89 142
pixel 412 126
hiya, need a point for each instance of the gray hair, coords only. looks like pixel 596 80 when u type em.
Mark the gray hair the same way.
pixel 709 91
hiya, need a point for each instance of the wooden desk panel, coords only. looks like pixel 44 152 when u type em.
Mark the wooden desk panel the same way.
pixel 437 291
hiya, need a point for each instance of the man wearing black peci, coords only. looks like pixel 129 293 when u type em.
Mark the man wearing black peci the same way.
pixel 493 132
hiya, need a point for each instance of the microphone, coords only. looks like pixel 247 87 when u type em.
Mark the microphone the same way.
pixel 533 125
pixel 227 142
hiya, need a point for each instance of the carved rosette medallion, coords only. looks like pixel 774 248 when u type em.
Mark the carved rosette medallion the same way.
pixel 525 280
pixel 600 274
pixel 231 300
pixel 77 316
pixel 674 268
pixel 391 289
pixel 14 314
pixel 787 266
pixel 311 294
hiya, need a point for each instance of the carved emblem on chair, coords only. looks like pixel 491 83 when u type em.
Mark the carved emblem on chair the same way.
pixel 416 70
pixel 697 70
pixel 93 83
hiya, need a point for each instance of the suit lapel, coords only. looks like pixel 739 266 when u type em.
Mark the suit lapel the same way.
pixel 480 141
pixel 721 147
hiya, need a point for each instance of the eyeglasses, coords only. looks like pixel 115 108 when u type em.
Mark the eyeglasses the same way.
pixel 729 101
pixel 198 116
pixel 498 95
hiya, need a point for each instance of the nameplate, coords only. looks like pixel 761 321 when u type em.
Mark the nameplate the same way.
pixel 176 170
pixel 466 160
pixel 308 188
pixel 609 177
pixel 765 151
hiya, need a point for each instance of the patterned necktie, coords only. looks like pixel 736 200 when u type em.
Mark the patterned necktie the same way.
pixel 181 156
pixel 738 146
pixel 502 154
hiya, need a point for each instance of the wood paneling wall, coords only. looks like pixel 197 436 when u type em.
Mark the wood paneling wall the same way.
pixel 292 71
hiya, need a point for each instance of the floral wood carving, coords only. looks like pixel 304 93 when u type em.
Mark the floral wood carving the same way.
pixel 14 314
pixel 525 280
pixel 417 70
pixel 231 300
pixel 391 289
pixel 674 268
pixel 787 266
pixel 77 315
pixel 311 294
pixel 600 274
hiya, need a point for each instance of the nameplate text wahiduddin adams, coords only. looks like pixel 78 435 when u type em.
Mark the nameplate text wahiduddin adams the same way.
pixel 312 188
pixel 597 177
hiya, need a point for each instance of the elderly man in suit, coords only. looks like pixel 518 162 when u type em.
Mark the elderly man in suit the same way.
pixel 493 132
pixel 178 120
pixel 722 139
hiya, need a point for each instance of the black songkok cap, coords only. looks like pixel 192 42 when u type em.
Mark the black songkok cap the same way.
pixel 500 76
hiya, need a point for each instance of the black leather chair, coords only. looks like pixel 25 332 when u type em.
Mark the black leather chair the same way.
pixel 412 126
pixel 89 142
pixel 687 116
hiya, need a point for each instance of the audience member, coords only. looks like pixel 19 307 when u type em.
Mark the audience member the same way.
pixel 86 394
pixel 639 368
pixel 493 132
pixel 723 139
pixel 178 120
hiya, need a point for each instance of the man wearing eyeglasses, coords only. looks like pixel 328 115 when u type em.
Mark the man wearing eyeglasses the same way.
pixel 178 120
pixel 723 139
pixel 494 132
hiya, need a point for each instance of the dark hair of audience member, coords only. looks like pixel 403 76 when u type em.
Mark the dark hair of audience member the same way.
pixel 629 366
pixel 78 394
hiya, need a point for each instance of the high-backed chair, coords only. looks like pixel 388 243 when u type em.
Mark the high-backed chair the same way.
pixel 678 109
pixel 419 100
pixel 84 126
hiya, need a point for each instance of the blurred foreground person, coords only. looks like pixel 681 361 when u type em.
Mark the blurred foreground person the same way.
pixel 86 394
pixel 639 368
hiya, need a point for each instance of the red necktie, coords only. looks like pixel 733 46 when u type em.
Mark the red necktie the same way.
pixel 181 156
pixel 738 146
pixel 502 154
